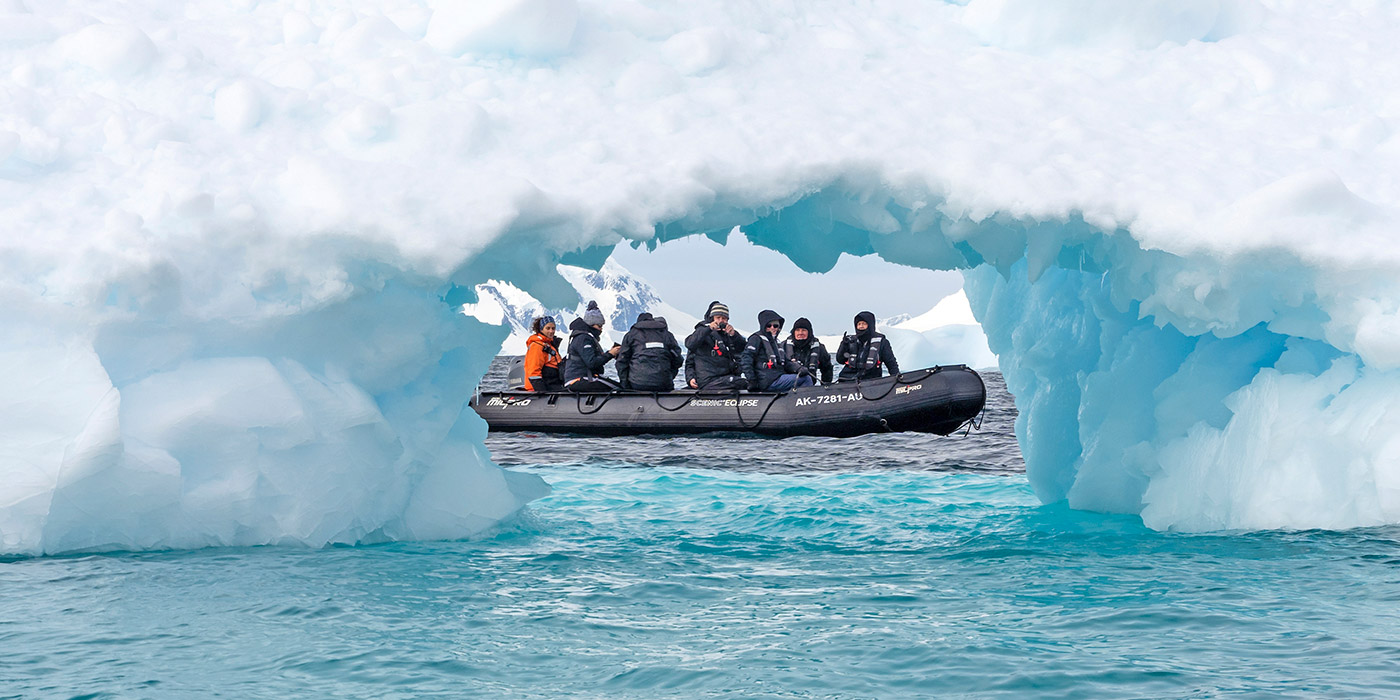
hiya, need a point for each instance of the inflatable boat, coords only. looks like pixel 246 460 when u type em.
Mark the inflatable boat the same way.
pixel 934 400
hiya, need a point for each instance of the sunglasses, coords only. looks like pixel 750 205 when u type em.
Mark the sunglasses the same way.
pixel 774 325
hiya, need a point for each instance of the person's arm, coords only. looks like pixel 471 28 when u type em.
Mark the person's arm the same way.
pixel 843 350
pixel 735 342
pixel 534 364
pixel 588 354
pixel 746 362
pixel 690 369
pixel 624 362
pixel 824 363
pixel 887 357
pixel 694 341
pixel 677 358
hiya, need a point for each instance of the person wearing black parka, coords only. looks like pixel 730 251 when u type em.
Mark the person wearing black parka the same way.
pixel 804 347
pixel 650 356
pixel 865 354
pixel 712 353
pixel 767 364
pixel 583 370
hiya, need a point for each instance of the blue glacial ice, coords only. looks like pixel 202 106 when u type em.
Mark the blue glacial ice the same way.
pixel 235 235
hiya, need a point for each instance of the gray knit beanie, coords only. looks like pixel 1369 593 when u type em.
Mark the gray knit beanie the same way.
pixel 593 316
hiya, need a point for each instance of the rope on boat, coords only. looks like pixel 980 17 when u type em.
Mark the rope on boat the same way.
pixel 898 380
pixel 739 411
pixel 656 396
pixel 606 397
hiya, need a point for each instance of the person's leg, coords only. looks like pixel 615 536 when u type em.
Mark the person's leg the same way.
pixel 725 383
pixel 596 385
pixel 784 383
pixel 804 381
pixel 550 380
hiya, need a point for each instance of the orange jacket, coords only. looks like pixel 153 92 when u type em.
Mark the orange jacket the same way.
pixel 540 352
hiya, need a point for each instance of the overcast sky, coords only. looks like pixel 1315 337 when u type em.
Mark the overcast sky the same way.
pixel 690 272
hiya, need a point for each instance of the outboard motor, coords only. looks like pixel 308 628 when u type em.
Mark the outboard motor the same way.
pixel 515 378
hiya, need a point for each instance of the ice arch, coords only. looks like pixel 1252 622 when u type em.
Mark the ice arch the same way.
pixel 234 235
pixel 1201 390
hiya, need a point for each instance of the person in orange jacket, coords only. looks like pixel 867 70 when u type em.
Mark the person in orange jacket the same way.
pixel 542 357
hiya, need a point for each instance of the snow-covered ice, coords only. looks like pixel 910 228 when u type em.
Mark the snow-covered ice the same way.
pixel 235 236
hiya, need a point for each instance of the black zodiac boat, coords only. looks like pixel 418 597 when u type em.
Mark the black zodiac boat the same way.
pixel 935 400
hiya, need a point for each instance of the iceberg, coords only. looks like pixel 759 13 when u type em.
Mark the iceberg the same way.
pixel 237 237
pixel 944 335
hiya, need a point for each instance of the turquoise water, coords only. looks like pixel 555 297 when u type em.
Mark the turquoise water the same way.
pixel 671 581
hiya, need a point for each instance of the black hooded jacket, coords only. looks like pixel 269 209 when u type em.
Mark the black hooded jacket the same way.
pixel 766 357
pixel 650 356
pixel 586 357
pixel 810 353
pixel 863 354
pixel 711 355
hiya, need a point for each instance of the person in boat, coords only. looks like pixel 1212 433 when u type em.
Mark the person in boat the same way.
pixel 583 370
pixel 767 364
pixel 650 356
pixel 542 357
pixel 865 354
pixel 713 351
pixel 804 347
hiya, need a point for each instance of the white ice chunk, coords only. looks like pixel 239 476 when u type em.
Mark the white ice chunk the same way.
pixel 1131 24
pixel 238 106
pixel 536 28
pixel 117 51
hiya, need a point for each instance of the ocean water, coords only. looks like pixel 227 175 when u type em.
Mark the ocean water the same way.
pixel 891 566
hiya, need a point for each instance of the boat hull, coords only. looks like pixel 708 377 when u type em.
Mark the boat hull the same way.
pixel 936 400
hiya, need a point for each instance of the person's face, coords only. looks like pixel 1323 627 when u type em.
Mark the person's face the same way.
pixel 861 325
pixel 800 333
pixel 548 330
pixel 773 327
pixel 721 320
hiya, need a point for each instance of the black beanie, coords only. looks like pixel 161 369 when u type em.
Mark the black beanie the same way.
pixel 802 323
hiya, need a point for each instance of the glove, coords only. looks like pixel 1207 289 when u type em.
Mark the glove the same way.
pixel 802 372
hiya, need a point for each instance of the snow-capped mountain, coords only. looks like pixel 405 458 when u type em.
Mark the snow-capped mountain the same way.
pixel 620 294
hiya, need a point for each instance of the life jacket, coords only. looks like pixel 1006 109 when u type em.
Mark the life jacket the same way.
pixel 867 357
pixel 778 354
pixel 814 355
pixel 718 349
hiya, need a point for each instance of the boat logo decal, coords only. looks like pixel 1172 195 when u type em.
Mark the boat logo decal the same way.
pixel 907 389
pixel 724 402
pixel 503 403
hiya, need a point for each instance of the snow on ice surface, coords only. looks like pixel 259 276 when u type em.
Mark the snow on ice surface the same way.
pixel 1177 221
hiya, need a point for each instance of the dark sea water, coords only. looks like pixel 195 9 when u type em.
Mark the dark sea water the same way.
pixel 887 566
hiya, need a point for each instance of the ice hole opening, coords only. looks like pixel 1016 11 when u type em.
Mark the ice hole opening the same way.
pixel 1142 377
